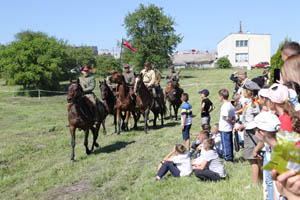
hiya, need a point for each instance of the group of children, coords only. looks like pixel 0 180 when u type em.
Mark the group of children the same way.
pixel 257 112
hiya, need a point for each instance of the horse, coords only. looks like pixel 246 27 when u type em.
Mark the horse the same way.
pixel 109 101
pixel 159 107
pixel 81 117
pixel 124 102
pixel 174 98
pixel 144 100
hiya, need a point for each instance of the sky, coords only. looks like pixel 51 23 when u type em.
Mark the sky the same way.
pixel 202 23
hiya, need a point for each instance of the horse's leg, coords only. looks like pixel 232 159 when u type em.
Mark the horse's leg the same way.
pixel 127 120
pixel 86 141
pixel 170 109
pixel 72 131
pixel 155 118
pixel 96 134
pixel 115 121
pixel 176 107
pixel 119 121
pixel 137 118
pixel 162 117
pixel 103 126
pixel 123 126
pixel 146 115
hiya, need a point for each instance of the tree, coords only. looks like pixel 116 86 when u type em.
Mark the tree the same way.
pixel 153 35
pixel 34 60
pixel 107 63
pixel 224 63
pixel 80 56
pixel 276 61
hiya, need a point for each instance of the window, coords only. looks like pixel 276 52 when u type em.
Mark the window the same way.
pixel 241 43
pixel 241 57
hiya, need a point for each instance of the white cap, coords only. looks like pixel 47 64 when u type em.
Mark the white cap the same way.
pixel 265 121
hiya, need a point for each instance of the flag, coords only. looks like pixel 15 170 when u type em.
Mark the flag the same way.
pixel 127 45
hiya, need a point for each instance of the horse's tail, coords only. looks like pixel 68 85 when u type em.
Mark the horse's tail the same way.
pixel 164 107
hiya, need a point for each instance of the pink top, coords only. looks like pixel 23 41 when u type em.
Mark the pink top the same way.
pixel 286 122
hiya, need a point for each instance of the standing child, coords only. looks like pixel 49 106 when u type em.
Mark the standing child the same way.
pixel 226 122
pixel 206 107
pixel 186 119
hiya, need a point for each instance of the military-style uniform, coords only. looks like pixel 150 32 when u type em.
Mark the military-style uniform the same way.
pixel 129 78
pixel 149 79
pixel 157 77
pixel 173 76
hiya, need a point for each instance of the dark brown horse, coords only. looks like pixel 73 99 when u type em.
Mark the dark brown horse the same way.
pixel 109 101
pixel 124 102
pixel 159 107
pixel 144 100
pixel 80 116
pixel 174 98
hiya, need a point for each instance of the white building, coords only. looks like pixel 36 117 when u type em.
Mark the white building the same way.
pixel 245 50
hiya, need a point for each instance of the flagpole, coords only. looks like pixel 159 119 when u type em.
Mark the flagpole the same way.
pixel 121 53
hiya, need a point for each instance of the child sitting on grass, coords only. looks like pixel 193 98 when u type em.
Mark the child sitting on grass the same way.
pixel 176 162
pixel 204 134
pixel 217 138
pixel 211 168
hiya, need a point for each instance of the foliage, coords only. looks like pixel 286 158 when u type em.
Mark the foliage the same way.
pixel 153 35
pixel 105 64
pixel 34 60
pixel 276 61
pixel 224 63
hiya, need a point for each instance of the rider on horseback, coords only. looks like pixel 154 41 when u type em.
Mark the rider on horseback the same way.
pixel 173 76
pixel 149 78
pixel 88 84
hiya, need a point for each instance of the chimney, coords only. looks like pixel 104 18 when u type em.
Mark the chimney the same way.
pixel 241 32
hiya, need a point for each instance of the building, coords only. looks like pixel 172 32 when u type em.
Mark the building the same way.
pixel 245 49
pixel 194 58
pixel 115 52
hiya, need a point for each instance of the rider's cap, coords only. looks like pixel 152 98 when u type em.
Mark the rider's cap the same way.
pixel 85 68
pixel 172 67
pixel 204 91
pixel 126 66
pixel 146 64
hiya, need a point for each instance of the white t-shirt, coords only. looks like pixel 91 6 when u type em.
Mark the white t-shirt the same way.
pixel 214 163
pixel 183 163
pixel 198 160
pixel 227 110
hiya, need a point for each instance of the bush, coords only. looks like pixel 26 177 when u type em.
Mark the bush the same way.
pixel 224 63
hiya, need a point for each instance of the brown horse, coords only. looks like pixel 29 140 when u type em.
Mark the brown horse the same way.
pixel 174 98
pixel 124 102
pixel 144 100
pixel 80 116
pixel 159 107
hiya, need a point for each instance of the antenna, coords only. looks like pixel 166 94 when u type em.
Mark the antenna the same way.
pixel 240 28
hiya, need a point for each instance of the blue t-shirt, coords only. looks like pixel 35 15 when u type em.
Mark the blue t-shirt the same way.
pixel 186 109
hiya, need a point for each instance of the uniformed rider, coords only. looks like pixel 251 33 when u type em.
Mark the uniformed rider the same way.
pixel 149 78
pixel 88 84
pixel 172 76
pixel 129 76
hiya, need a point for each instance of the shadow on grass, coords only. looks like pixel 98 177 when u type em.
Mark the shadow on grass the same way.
pixel 113 147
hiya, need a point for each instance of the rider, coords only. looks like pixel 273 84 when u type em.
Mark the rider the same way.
pixel 129 76
pixel 88 84
pixel 173 76
pixel 149 78
pixel 157 80
pixel 111 85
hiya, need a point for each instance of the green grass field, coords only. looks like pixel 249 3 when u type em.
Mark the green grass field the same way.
pixel 35 148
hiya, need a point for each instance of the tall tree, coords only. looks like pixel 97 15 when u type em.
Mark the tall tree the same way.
pixel 152 34
pixel 34 60
pixel 107 63
pixel 81 56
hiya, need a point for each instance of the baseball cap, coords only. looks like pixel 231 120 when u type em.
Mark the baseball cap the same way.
pixel 265 121
pixel 204 91
pixel 251 85
pixel 85 68
pixel 277 93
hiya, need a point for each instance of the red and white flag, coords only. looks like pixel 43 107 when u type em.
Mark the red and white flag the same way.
pixel 127 45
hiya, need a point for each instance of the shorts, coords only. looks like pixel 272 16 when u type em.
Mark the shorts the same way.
pixel 186 132
pixel 205 120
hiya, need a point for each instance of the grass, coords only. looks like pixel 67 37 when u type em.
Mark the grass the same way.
pixel 35 152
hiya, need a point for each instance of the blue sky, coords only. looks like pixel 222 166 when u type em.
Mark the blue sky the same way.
pixel 202 23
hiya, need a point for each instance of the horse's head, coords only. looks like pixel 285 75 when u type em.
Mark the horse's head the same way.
pixel 104 89
pixel 74 91
pixel 138 82
pixel 117 77
pixel 174 84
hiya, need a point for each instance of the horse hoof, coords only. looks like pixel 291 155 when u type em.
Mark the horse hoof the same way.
pixel 88 152
pixel 96 144
pixel 73 160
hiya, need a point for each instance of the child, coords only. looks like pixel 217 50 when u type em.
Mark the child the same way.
pixel 250 141
pixel 266 125
pixel 178 165
pixel 186 119
pixel 211 168
pixel 217 138
pixel 204 134
pixel 206 107
pixel 226 122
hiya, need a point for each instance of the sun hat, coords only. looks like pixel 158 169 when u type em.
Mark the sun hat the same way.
pixel 204 91
pixel 85 68
pixel 251 85
pixel 265 121
pixel 277 93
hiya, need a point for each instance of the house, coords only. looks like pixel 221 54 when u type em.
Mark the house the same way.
pixel 245 49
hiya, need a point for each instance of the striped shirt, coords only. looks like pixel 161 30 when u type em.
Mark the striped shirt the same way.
pixel 186 109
